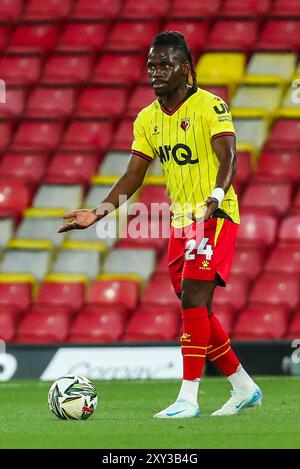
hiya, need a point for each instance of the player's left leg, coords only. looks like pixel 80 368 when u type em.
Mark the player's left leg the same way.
pixel 194 342
pixel 245 392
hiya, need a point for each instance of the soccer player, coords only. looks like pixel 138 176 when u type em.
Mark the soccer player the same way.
pixel 190 130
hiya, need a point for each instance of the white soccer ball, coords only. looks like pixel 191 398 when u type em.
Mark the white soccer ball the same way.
pixel 72 397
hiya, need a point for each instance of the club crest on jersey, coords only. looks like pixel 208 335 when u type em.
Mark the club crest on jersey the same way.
pixel 185 123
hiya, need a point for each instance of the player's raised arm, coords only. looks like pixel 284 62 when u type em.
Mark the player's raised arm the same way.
pixel 224 147
pixel 126 185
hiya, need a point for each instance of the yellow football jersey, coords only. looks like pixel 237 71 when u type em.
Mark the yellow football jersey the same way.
pixel 182 140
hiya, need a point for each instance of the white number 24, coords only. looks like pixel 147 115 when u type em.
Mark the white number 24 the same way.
pixel 203 248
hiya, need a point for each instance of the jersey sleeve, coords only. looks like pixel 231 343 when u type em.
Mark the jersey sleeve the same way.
pixel 219 118
pixel 141 145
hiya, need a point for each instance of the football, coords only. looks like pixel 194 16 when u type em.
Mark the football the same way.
pixel 72 397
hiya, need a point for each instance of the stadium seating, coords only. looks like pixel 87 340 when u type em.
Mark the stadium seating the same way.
pixel 284 259
pixel 279 34
pixel 67 69
pixel 8 324
pixel 20 69
pixel 150 9
pixel 285 134
pixel 48 9
pixel 153 324
pixel 50 327
pixel 96 9
pixel 270 198
pixel 16 291
pixel 37 136
pixel 195 9
pixel 101 102
pixel 286 8
pixel 114 291
pixel 87 135
pixel 248 261
pixel 46 101
pixel 97 325
pixel 294 327
pixel 289 231
pixel 235 293
pixel 58 196
pixel 232 35
pixel 257 230
pixel 33 38
pixel 15 196
pixel 6 230
pixel 86 37
pixel 278 165
pixel 226 315
pixel 61 293
pixel 248 8
pixel 118 69
pixel 29 168
pixel 261 324
pixel 140 262
pixel 160 291
pixel 71 168
pixel 274 289
pixel 131 35
pixel 14 106
pixel 10 11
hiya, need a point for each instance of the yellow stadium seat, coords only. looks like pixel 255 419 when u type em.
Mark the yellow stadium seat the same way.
pixel 270 68
pixel 255 100
pixel 220 68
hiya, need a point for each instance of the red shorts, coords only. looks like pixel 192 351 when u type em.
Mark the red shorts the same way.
pixel 202 251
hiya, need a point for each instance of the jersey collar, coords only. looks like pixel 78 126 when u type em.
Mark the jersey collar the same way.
pixel 188 95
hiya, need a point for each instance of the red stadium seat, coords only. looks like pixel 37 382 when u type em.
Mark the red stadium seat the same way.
pixel 253 8
pixel 279 35
pixel 16 295
pixel 153 195
pixel 296 203
pixel 69 294
pixel 19 69
pixel 294 327
pixel 10 10
pixel 28 167
pixel 281 165
pixel 244 170
pixel 276 289
pixel 195 9
pixel 145 232
pixel 145 10
pixel 101 102
pixel 14 105
pixel 248 261
pixel 226 315
pixel 153 324
pixel 160 291
pixel 48 9
pixel 8 324
pixel 34 38
pixel 5 134
pixel 221 91
pixel 289 230
pixel 71 168
pixel 118 69
pixel 285 134
pixel 115 292
pixel 271 198
pixel 194 31
pixel 43 328
pixel 14 196
pixel 88 135
pixel 162 265
pixel 97 9
pixel 257 230
pixel 284 259
pixel 98 325
pixel 286 8
pixel 141 97
pixel 131 35
pixel 68 69
pixel 261 324
pixel 40 136
pixel 83 37
pixel 4 34
pixel 232 35
pixel 235 294
pixel 123 136
pixel 50 102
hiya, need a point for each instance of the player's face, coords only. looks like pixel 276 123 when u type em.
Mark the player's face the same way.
pixel 167 70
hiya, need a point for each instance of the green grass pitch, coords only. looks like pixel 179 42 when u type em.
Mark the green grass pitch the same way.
pixel 123 418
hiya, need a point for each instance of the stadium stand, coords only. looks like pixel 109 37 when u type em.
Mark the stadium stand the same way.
pixel 75 80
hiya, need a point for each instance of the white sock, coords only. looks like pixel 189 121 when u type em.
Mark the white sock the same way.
pixel 240 380
pixel 189 390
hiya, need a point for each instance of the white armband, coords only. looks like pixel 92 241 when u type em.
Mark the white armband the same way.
pixel 219 194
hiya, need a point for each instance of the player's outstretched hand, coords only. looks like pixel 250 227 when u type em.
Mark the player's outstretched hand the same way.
pixel 82 219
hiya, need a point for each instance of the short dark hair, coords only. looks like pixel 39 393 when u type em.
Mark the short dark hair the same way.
pixel 177 41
